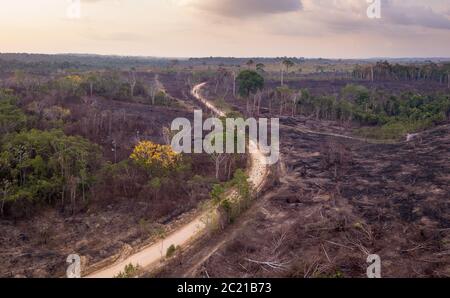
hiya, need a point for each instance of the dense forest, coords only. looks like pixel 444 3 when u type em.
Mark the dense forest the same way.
pixel 46 64
pixel 392 115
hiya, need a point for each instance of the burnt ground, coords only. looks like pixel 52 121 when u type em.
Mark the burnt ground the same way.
pixel 338 200
pixel 38 246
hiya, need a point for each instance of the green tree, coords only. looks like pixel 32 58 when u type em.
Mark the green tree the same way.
pixel 11 117
pixel 249 82
pixel 217 192
pixel 260 67
pixel 91 80
pixel 45 166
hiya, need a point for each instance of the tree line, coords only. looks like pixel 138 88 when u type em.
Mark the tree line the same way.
pixel 392 115
pixel 383 70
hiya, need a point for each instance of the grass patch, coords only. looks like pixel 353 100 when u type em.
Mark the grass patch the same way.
pixel 394 130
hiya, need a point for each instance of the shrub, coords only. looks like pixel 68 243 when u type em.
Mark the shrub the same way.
pixel 130 271
pixel 171 251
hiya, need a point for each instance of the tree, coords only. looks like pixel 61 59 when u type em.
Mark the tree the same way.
pixel 19 78
pixel 91 79
pixel 221 76
pixel 11 117
pixel 218 159
pixel 69 85
pixel 257 98
pixel 234 82
pixel 5 187
pixel 217 192
pixel 287 63
pixel 155 88
pixel 250 63
pixel 260 67
pixel 132 81
pixel 249 82
pixel 154 156
pixel 43 165
pixel 448 79
pixel 153 91
pixel 155 184
pixel 284 93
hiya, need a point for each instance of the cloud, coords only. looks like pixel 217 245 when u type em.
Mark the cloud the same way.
pixel 344 16
pixel 415 15
pixel 246 8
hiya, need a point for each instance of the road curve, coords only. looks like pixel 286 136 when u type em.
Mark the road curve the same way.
pixel 149 257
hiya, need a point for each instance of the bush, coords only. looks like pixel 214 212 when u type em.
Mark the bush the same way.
pixel 171 251
pixel 130 271
pixel 217 193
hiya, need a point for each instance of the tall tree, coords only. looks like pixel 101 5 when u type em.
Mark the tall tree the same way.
pixel 287 63
pixel 260 67
pixel 250 63
pixel 132 81
pixel 249 83
pixel 91 80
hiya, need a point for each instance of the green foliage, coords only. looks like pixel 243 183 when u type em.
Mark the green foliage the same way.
pixel 217 192
pixel 130 271
pixel 383 70
pixel 232 207
pixel 227 208
pixel 249 82
pixel 156 183
pixel 171 251
pixel 240 180
pixel 386 117
pixel 260 67
pixel 288 63
pixel 334 275
pixel 11 117
pixel 70 85
pixel 398 116
pixel 161 97
pixel 45 166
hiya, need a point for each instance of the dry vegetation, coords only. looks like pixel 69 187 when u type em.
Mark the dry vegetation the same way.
pixel 122 211
pixel 331 201
pixel 336 202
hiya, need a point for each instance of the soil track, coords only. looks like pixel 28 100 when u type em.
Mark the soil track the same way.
pixel 149 257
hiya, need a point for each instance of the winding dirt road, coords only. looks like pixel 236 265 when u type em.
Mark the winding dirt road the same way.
pixel 151 256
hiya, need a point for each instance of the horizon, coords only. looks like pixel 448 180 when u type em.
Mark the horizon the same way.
pixel 228 57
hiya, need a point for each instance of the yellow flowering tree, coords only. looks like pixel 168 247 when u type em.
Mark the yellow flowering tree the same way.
pixel 155 156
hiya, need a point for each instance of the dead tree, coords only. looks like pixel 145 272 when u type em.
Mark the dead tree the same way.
pixel 218 158
pixel 5 189
pixel 132 81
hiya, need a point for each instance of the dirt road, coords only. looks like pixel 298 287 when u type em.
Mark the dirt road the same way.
pixel 149 257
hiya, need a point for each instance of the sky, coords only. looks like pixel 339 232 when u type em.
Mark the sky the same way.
pixel 238 28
